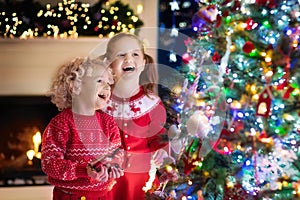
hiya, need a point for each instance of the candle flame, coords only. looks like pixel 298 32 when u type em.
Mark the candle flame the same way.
pixel 30 154
pixel 37 140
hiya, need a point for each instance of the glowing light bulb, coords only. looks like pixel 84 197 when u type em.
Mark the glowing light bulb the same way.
pixel 268 59
pixel 139 8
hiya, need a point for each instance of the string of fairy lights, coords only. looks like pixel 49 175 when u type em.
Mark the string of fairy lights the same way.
pixel 73 11
pixel 68 19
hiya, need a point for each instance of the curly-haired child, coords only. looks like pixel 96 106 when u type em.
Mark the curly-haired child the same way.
pixel 77 137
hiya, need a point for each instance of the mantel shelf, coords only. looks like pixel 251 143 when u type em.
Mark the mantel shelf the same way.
pixel 27 66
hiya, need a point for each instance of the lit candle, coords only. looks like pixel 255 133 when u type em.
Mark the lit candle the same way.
pixel 37 139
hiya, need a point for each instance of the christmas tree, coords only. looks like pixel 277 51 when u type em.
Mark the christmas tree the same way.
pixel 238 126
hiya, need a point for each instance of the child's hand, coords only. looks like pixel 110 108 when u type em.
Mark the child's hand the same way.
pixel 116 158
pixel 159 156
pixel 100 175
pixel 115 172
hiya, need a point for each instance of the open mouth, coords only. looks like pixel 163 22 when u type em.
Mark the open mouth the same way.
pixel 128 69
pixel 103 96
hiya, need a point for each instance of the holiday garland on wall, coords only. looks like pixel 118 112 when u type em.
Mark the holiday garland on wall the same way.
pixel 67 19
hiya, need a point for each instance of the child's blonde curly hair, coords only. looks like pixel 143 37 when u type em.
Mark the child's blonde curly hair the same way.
pixel 67 81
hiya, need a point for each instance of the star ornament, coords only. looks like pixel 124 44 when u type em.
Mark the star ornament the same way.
pixel 174 32
pixel 174 5
pixel 172 57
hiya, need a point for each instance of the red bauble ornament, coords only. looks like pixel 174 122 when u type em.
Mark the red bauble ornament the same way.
pixel 248 47
pixel 186 58
pixel 216 58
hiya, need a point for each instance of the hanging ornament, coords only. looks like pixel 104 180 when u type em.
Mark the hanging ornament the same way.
pixel 203 101
pixel 198 125
pixel 248 47
pixel 264 102
pixel 224 60
pixel 174 32
pixel 202 21
pixel 191 156
pixel 208 13
pixel 216 58
pixel 251 24
pixel 174 5
pixel 288 92
pixel 263 135
pixel 223 147
pixel 186 58
pixel 175 142
pixel 172 57
pixel 264 138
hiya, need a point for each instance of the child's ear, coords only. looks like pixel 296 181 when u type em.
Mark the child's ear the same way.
pixel 71 86
pixel 73 90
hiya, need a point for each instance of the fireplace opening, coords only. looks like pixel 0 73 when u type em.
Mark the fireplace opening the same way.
pixel 22 122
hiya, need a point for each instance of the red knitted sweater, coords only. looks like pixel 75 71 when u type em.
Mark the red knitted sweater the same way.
pixel 70 141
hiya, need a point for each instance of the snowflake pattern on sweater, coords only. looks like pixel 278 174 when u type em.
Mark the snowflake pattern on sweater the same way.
pixel 71 141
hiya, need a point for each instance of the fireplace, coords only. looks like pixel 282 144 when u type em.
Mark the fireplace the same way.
pixel 22 122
